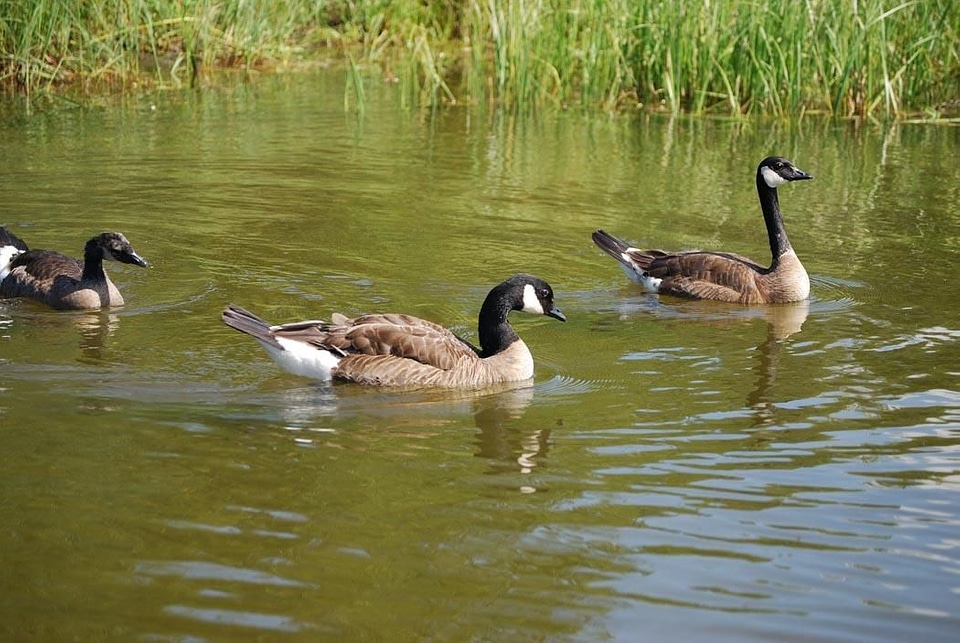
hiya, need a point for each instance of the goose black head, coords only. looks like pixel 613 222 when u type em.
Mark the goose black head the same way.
pixel 536 296
pixel 776 170
pixel 115 246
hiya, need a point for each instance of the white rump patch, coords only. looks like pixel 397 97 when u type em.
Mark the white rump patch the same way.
pixel 531 303
pixel 630 269
pixel 303 359
pixel 7 254
pixel 637 275
pixel 771 178
pixel 651 284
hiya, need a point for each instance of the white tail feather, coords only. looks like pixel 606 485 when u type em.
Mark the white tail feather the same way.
pixel 303 359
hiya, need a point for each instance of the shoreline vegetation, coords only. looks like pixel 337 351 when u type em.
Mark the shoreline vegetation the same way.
pixel 846 58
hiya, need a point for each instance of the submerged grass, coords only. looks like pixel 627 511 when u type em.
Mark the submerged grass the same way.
pixel 844 57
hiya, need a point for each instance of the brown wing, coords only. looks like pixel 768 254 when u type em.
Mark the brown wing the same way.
pixel 37 271
pixel 387 335
pixel 708 275
pixel 388 370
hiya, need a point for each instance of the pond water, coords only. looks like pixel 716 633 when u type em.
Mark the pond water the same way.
pixel 677 469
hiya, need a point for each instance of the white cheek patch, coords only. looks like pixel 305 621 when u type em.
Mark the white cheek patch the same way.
pixel 7 254
pixel 531 303
pixel 771 178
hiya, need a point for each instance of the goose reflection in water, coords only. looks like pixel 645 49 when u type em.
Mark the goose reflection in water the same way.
pixel 94 329
pixel 510 449
pixel 782 321
pixel 494 409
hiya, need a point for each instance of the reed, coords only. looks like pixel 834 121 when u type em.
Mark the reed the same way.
pixel 843 57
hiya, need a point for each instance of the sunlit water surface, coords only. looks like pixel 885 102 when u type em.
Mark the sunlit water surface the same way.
pixel 677 471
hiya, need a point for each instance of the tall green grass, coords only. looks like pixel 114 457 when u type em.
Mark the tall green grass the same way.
pixel 843 57
pixel 846 57
pixel 51 42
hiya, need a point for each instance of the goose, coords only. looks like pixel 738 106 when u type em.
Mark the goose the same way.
pixel 403 350
pixel 60 281
pixel 724 276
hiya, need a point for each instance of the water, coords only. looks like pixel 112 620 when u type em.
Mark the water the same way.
pixel 678 469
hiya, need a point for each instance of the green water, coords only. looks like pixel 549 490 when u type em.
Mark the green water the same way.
pixel 678 469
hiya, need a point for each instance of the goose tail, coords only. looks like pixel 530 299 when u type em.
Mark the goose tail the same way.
pixel 298 357
pixel 610 244
pixel 633 262
pixel 246 322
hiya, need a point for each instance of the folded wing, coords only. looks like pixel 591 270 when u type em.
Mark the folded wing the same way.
pixel 38 271
pixel 389 338
pixel 706 275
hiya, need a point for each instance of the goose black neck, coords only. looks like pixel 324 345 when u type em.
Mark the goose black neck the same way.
pixel 770 204
pixel 496 333
pixel 93 262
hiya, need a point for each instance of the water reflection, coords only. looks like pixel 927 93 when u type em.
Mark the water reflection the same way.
pixel 300 406
pixel 45 328
pixel 510 449
pixel 95 328
pixel 782 322
pixel 310 412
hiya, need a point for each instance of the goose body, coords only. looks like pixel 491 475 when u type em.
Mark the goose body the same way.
pixel 61 281
pixel 402 350
pixel 724 276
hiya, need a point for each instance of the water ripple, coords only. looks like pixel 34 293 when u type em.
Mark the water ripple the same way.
pixel 563 385
pixel 253 620
pixel 929 339
pixel 199 570
pixel 831 294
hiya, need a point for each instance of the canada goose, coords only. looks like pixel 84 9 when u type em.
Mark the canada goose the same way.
pixel 60 281
pixel 402 350
pixel 724 276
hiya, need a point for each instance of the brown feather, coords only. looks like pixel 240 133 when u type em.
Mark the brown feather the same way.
pixel 395 335
pixel 460 369
pixel 708 275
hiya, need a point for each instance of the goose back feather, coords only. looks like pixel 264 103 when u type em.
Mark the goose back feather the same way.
pixel 724 276
pixel 402 350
